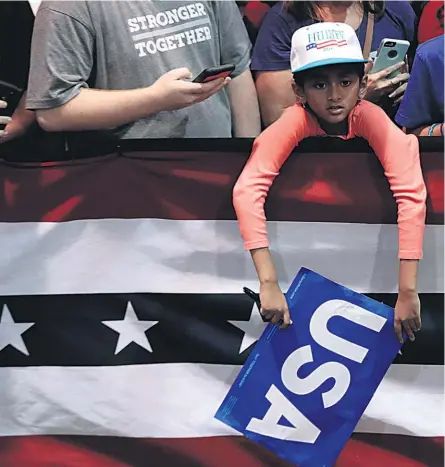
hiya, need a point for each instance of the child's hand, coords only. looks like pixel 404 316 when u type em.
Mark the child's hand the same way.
pixel 407 314
pixel 273 304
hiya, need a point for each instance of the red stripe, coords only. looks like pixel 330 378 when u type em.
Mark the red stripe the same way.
pixel 322 45
pixel 335 41
pixel 63 451
pixel 315 187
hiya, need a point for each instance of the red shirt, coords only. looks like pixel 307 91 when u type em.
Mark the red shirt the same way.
pixel 397 152
pixel 431 21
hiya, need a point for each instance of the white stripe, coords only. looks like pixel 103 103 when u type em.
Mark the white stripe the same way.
pixel 34 4
pixel 180 400
pixel 154 255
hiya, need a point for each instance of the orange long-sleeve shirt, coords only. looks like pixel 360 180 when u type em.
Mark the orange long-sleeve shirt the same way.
pixel 398 153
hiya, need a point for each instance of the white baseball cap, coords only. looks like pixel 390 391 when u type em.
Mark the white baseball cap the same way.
pixel 323 44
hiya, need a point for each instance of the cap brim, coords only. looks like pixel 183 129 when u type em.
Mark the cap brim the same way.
pixel 329 61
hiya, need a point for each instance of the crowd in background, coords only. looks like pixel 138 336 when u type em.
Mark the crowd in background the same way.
pixel 117 70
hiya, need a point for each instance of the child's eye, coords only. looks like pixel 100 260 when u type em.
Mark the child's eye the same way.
pixel 345 83
pixel 320 85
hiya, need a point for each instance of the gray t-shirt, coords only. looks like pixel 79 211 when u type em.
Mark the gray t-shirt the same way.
pixel 130 44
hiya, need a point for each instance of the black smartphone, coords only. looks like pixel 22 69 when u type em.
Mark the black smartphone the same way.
pixel 12 95
pixel 210 74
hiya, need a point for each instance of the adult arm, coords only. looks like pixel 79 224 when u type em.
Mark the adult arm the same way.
pixel 244 106
pixel 235 48
pixel 271 65
pixel 275 94
pixel 425 130
pixel 417 108
pixel 62 60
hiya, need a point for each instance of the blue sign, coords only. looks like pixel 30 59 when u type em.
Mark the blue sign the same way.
pixel 303 390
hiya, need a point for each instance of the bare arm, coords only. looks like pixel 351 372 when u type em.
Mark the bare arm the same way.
pixel 23 117
pixel 244 105
pixel 424 130
pixel 94 109
pixel 408 271
pixel 407 309
pixel 262 259
pixel 273 302
pixel 275 94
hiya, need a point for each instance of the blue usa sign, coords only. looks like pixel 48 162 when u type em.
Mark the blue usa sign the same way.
pixel 303 390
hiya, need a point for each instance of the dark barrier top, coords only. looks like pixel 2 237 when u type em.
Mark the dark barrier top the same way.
pixel 17 152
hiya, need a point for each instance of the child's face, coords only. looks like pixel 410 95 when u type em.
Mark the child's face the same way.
pixel 332 92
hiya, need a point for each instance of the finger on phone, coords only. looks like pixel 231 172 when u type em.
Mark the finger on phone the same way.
pixel 398 80
pixel 179 73
pixel 212 87
pixel 408 330
pixel 4 120
pixel 402 77
pixel 398 330
pixel 391 69
pixel 214 83
pixel 3 104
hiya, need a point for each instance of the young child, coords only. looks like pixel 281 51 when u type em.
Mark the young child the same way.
pixel 328 69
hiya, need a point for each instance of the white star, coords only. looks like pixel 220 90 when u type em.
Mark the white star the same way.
pixel 252 329
pixel 11 332
pixel 130 330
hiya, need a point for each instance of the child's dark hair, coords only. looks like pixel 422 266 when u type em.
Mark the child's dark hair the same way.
pixel 356 68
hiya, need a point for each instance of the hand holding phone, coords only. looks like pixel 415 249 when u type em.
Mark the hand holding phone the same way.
pixel 388 75
pixel 210 74
pixel 390 52
pixel 174 90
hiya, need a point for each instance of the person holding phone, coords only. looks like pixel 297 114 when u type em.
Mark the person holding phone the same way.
pixel 372 22
pixel 421 111
pixel 139 84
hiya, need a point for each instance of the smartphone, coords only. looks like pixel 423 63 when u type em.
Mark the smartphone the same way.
pixel 12 95
pixel 210 74
pixel 390 52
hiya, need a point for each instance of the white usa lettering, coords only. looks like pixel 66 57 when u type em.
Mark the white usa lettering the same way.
pixel 303 429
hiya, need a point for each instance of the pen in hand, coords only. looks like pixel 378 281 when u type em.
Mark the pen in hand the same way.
pixel 253 296
pixel 256 298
